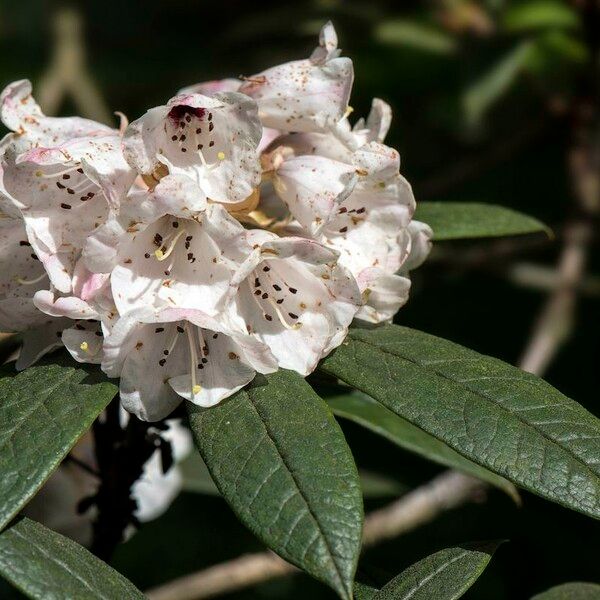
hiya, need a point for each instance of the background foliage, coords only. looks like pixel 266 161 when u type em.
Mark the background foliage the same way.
pixel 482 94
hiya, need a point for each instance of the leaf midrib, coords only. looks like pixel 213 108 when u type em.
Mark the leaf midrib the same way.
pixel 425 368
pixel 56 562
pixel 300 491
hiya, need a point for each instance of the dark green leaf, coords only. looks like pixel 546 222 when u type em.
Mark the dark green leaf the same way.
pixel 445 575
pixel 496 415
pixel 280 459
pixel 539 14
pixel 571 591
pixel 43 412
pixel 367 412
pixel 363 592
pixel 460 220
pixel 47 566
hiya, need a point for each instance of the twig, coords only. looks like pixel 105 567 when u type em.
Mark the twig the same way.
pixel 68 73
pixel 121 455
pixel 444 492
pixel 556 320
pixel 543 278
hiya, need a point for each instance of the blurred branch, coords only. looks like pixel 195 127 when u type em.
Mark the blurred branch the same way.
pixel 547 279
pixel 67 73
pixel 445 492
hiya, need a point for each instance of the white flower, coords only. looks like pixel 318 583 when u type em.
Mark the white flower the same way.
pixel 164 356
pixel 293 296
pixel 65 193
pixel 212 140
pixel 30 128
pixel 169 248
pixel 304 95
pixel 312 187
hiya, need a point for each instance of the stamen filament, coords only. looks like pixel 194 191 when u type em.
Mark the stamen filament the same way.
pixel 194 360
pixel 293 327
pixel 160 255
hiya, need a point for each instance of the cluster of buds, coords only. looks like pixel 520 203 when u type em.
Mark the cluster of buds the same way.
pixel 240 228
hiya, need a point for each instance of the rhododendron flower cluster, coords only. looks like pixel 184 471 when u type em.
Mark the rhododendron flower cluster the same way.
pixel 237 229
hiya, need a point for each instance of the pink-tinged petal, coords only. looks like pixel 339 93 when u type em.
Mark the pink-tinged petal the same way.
pixel 421 235
pixel 21 113
pixel 209 88
pixel 304 95
pixel 88 285
pixel 69 306
pixel 386 293
pixel 313 188
pixel 212 140
pixel 61 203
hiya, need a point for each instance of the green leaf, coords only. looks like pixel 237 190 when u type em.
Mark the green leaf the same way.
pixel 571 591
pixel 45 565
pixel 280 459
pixel 461 220
pixel 402 32
pixel 363 592
pixel 495 82
pixel 539 14
pixel 445 575
pixel 370 414
pixel 43 412
pixel 496 415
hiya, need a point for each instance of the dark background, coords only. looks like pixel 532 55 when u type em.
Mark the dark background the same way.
pixel 426 59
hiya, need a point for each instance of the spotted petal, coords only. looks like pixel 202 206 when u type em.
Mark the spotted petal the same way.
pixel 212 140
pixel 304 95
pixel 313 187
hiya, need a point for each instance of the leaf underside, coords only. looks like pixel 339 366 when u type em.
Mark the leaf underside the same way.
pixel 463 220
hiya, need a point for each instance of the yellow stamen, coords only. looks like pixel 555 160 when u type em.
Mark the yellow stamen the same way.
pixel 84 346
pixel 221 155
pixel 160 255
pixel 196 389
